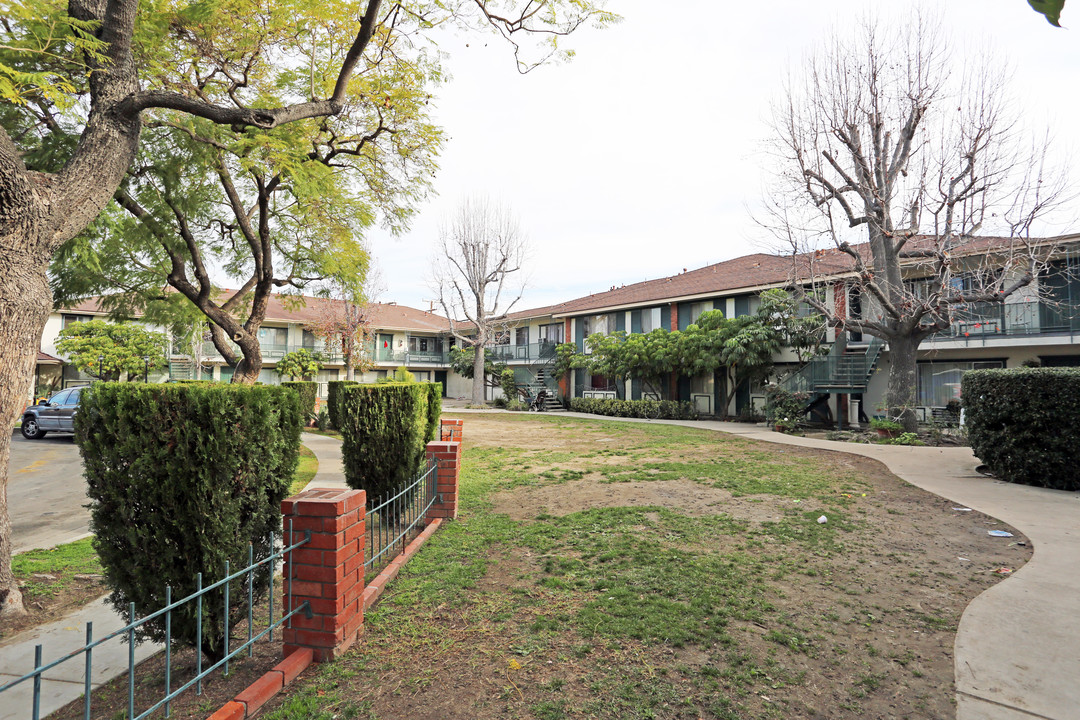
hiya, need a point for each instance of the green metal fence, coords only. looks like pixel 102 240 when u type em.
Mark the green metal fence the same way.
pixel 128 632
pixel 397 516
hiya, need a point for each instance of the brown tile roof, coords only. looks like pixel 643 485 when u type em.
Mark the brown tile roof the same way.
pixel 47 359
pixel 756 271
pixel 305 309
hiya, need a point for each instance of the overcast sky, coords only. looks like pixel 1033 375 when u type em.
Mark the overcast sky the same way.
pixel 643 156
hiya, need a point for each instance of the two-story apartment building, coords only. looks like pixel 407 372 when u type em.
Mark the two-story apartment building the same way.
pixel 1041 322
pixel 399 336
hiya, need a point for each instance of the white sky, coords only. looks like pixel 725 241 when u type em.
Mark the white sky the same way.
pixel 642 156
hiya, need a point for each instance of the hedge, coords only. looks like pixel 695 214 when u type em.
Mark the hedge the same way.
pixel 654 409
pixel 333 397
pixel 308 392
pixel 182 477
pixel 384 428
pixel 1025 424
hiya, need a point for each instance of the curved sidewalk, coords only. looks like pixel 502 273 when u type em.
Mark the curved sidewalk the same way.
pixel 1017 652
pixel 331 472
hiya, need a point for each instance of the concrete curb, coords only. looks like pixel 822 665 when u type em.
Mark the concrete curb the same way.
pixel 262 690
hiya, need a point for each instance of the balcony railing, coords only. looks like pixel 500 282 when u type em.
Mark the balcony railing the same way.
pixel 533 352
pixel 271 352
pixel 1036 317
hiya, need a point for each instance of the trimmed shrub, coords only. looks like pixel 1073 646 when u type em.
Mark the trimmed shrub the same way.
pixel 308 392
pixel 181 478
pixel 384 428
pixel 653 409
pixel 783 408
pixel 333 400
pixel 1025 424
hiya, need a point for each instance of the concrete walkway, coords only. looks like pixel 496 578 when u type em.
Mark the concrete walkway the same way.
pixel 1017 652
pixel 331 472
pixel 65 682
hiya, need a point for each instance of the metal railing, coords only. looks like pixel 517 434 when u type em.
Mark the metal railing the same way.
pixel 129 631
pixel 272 351
pixel 395 517
pixel 1034 317
pixel 407 357
pixel 838 371
pixel 533 352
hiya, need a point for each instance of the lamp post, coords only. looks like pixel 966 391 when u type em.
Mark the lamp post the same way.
pixel 146 369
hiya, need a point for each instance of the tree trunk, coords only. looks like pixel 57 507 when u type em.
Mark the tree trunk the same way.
pixel 900 398
pixel 25 302
pixel 247 370
pixel 478 393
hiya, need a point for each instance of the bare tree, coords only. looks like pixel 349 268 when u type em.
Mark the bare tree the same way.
pixel 480 250
pixel 891 165
pixel 344 323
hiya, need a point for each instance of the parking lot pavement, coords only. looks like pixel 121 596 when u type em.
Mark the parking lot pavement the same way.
pixel 46 492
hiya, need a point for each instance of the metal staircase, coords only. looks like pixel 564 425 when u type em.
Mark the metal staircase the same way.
pixel 845 370
pixel 542 381
pixel 181 369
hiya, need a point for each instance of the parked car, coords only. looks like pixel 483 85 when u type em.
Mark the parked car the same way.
pixel 57 414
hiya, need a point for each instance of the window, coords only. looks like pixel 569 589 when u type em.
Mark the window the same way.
pixel 552 333
pixel 72 319
pixel 272 336
pixel 650 319
pixel 696 309
pixel 60 398
pixel 309 340
pixel 939 382
pixel 502 337
pixel 269 376
pixel 521 336
pixel 594 324
pixel 702 384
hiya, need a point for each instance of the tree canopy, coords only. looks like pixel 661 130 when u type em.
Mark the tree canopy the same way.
pixel 112 351
pixel 299 364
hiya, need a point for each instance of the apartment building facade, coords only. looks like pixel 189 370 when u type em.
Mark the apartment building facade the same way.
pixel 1039 323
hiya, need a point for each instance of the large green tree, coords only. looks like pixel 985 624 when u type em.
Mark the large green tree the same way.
pixel 76 79
pixel 112 351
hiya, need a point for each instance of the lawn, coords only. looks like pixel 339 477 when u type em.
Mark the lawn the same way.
pixel 612 570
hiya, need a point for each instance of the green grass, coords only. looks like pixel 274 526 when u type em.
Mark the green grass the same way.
pixel 305 470
pixel 62 561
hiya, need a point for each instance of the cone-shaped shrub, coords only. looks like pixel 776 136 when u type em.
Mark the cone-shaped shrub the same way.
pixel 384 428
pixel 308 392
pixel 333 400
pixel 1025 424
pixel 182 478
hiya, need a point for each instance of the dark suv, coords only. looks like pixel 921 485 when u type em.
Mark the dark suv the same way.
pixel 57 414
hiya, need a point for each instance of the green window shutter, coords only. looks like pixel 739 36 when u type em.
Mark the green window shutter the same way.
pixel 665 317
pixel 620 321
pixel 635 321
pixel 684 315
pixel 742 305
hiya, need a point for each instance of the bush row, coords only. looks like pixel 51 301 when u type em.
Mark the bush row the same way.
pixel 654 409
pixel 309 391
pixel 1025 424
pixel 182 477
pixel 384 428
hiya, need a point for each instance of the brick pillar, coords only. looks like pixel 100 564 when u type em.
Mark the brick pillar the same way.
pixel 451 430
pixel 327 571
pixel 448 456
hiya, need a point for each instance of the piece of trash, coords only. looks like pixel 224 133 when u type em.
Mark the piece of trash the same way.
pixel 822 520
pixel 796 501
pixel 962 509
pixel 1003 571
pixel 999 533
pixel 962 558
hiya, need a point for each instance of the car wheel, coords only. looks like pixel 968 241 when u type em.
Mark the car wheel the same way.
pixel 31 430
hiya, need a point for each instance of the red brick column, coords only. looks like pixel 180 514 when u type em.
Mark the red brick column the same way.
pixel 448 457
pixel 451 430
pixel 327 571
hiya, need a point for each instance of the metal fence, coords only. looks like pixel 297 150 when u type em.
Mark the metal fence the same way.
pixel 128 632
pixel 396 517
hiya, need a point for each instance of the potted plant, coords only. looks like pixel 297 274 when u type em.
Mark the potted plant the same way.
pixel 886 428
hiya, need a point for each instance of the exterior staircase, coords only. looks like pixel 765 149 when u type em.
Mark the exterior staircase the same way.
pixel 845 370
pixel 542 381
pixel 181 369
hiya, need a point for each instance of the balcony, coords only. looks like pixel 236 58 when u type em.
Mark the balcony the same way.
pixel 542 352
pixel 990 320
pixel 271 352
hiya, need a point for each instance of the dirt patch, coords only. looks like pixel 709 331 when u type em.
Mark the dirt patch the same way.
pixel 683 496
